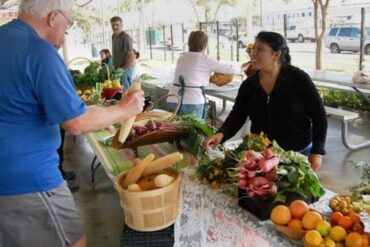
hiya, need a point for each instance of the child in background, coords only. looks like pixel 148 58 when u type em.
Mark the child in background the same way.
pixel 106 57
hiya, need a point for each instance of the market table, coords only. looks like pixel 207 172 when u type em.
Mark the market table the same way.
pixel 213 218
pixel 207 217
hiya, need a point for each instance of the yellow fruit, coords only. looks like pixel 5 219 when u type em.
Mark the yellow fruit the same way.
pixel 312 237
pixel 323 227
pixel 116 84
pixel 354 239
pixel 337 233
pixel 329 242
pixel 310 220
pixel 281 215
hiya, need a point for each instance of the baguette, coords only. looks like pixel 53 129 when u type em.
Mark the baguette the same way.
pixel 136 172
pixel 127 124
pixel 162 163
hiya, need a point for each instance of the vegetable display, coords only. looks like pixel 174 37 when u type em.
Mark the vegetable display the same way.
pixel 262 170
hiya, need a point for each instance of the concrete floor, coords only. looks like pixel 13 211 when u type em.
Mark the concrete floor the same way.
pixel 99 204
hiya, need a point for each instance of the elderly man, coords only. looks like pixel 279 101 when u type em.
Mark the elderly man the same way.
pixel 37 95
pixel 123 55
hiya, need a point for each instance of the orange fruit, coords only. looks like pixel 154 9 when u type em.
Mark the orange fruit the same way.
pixel 354 217
pixel 312 237
pixel 298 208
pixel 354 239
pixel 335 217
pixel 310 219
pixel 337 233
pixel 280 215
pixel 295 224
pixel 345 222
pixel 365 241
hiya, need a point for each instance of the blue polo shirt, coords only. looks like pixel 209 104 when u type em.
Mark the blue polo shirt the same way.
pixel 36 95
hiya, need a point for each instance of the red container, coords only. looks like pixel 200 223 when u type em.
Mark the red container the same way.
pixel 108 93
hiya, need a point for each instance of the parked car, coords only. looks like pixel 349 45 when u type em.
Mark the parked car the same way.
pixel 300 33
pixel 347 38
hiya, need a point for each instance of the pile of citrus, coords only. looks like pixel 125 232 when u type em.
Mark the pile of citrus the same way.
pixel 297 216
pixel 341 231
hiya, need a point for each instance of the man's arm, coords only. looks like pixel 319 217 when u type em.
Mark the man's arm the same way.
pixel 96 118
pixel 129 60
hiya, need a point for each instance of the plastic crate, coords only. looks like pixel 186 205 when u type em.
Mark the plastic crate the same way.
pixel 162 238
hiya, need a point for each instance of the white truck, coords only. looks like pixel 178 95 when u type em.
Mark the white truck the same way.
pixel 301 32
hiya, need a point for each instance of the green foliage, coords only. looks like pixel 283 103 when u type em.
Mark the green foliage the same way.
pixel 296 175
pixel 199 130
pixel 363 168
pixel 93 74
pixel 335 98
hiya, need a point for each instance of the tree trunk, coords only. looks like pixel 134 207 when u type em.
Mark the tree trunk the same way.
pixel 321 35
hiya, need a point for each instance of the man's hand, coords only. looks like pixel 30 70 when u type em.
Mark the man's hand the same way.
pixel 133 103
pixel 315 161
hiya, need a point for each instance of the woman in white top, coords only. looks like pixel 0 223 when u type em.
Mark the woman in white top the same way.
pixel 192 74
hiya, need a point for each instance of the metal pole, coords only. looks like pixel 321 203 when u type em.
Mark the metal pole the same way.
pixel 237 39
pixel 150 43
pixel 218 39
pixel 261 14
pixel 164 43
pixel 231 43
pixel 362 39
pixel 172 53
pixel 183 36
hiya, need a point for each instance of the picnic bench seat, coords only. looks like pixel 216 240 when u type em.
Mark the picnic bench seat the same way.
pixel 346 117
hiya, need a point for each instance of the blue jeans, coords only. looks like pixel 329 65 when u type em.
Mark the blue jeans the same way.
pixel 126 78
pixel 307 150
pixel 187 109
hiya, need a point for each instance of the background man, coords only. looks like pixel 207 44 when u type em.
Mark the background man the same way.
pixel 37 95
pixel 123 55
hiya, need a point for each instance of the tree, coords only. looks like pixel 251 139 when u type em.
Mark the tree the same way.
pixel 86 19
pixel 323 4
pixel 207 5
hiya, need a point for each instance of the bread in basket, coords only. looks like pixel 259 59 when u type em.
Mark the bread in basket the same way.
pixel 221 79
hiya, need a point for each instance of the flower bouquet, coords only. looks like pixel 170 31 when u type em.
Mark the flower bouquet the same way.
pixel 263 174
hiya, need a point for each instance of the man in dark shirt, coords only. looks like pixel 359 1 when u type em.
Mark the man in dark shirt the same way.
pixel 123 55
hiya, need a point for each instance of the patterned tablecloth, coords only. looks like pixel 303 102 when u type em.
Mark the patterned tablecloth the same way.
pixel 207 217
pixel 213 218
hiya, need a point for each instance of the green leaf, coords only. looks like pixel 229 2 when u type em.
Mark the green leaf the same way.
pixel 293 176
pixel 279 198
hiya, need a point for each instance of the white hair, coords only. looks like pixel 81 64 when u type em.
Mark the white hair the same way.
pixel 42 8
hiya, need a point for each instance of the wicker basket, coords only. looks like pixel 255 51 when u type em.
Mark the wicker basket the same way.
pixel 150 210
pixel 292 233
pixel 221 79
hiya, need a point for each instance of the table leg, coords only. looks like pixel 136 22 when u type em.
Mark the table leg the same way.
pixel 94 168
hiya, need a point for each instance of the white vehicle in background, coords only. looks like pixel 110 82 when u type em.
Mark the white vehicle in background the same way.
pixel 301 32
pixel 346 37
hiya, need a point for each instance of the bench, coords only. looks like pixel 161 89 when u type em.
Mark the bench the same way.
pixel 346 117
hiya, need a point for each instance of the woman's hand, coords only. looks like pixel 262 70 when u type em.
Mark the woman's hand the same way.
pixel 213 141
pixel 315 161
